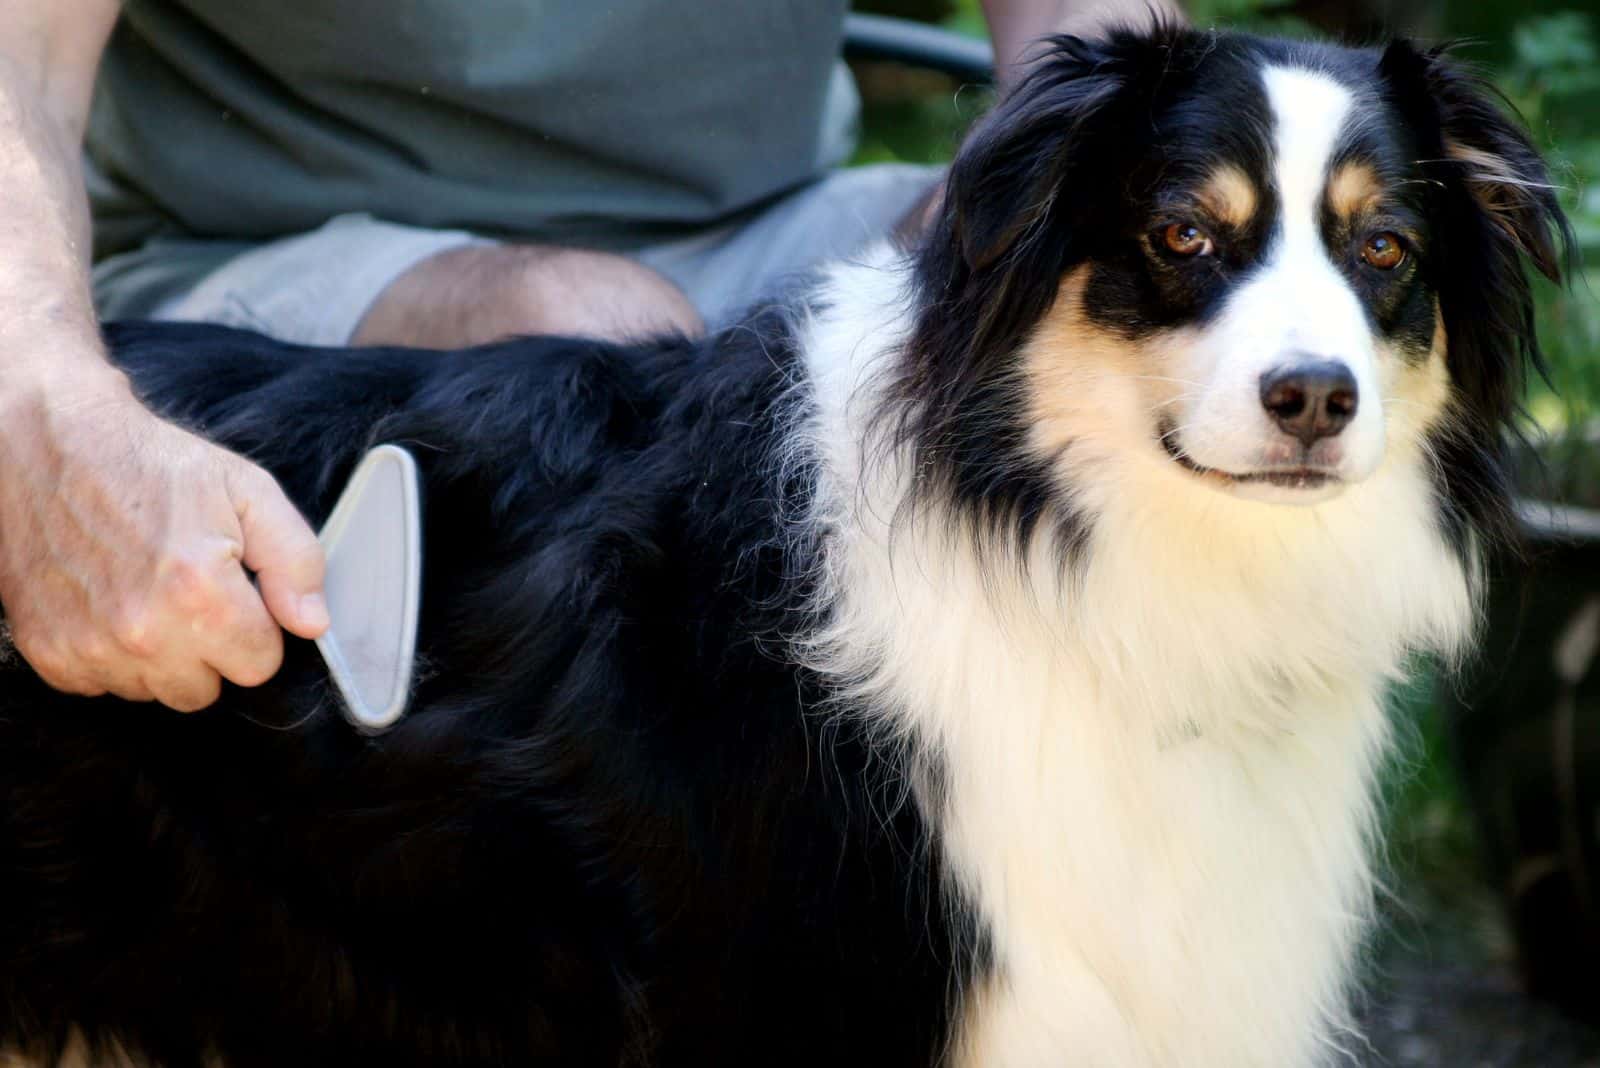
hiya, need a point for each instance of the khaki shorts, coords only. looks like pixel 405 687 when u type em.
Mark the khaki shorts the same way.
pixel 314 288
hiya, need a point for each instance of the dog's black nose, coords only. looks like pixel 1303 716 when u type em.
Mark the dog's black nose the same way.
pixel 1310 400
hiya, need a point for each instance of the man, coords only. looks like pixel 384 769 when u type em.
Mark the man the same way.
pixel 419 172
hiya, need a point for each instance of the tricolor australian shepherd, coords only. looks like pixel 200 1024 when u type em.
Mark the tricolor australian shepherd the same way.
pixel 979 662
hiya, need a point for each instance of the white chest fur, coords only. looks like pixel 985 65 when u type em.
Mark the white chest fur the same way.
pixel 1179 897
pixel 1155 775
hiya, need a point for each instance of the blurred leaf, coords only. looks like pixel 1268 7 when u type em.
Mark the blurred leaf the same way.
pixel 967 20
pixel 1556 51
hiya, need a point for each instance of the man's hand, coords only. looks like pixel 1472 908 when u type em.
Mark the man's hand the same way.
pixel 121 536
pixel 121 544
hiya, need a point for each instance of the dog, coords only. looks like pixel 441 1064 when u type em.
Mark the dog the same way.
pixel 977 661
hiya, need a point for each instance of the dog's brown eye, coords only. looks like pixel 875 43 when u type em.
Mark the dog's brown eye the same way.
pixel 1186 239
pixel 1384 251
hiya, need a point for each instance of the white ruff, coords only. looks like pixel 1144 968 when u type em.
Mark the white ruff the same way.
pixel 1157 775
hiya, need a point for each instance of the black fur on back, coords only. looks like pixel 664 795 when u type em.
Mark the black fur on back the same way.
pixel 605 833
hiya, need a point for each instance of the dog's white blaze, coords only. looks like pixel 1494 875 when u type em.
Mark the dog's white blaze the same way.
pixel 1157 777
pixel 1297 304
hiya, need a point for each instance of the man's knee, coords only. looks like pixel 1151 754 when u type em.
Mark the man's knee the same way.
pixel 482 293
pixel 574 291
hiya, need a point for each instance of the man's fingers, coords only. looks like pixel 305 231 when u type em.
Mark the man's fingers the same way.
pixel 131 688
pixel 245 646
pixel 48 661
pixel 280 548
pixel 187 691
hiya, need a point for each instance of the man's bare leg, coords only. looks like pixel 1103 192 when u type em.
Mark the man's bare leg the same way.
pixel 480 293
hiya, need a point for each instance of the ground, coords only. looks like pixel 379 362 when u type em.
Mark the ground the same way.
pixel 1442 997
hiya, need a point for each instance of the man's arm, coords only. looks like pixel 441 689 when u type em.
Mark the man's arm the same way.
pixel 1014 25
pixel 121 536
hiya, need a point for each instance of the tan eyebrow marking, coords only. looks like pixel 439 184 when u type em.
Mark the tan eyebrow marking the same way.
pixel 1353 188
pixel 1229 195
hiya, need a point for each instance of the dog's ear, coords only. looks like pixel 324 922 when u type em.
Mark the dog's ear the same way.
pixel 1476 146
pixel 1491 208
pixel 990 265
pixel 993 257
pixel 1011 167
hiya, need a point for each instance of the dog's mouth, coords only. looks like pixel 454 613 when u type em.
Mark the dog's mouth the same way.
pixel 1290 478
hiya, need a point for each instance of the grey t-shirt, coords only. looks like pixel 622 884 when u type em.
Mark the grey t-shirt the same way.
pixel 606 123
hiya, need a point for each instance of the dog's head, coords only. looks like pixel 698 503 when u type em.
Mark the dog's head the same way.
pixel 1262 268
